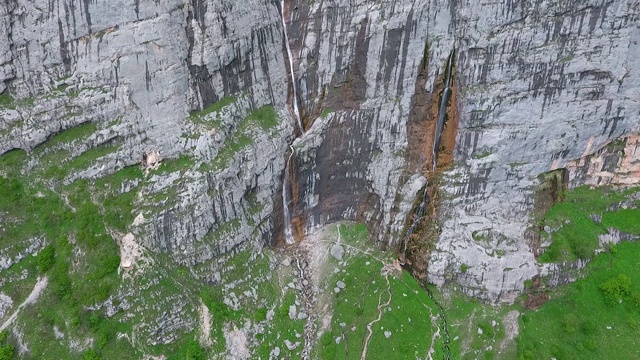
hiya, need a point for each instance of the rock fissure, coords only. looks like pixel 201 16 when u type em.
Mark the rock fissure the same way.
pixel 423 227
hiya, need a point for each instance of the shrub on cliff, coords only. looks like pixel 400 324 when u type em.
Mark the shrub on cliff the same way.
pixel 46 258
pixel 6 350
pixel 615 288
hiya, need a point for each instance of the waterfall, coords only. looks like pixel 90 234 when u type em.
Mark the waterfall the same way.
pixel 296 111
pixel 417 216
pixel 288 232
pixel 442 111
pixel 420 211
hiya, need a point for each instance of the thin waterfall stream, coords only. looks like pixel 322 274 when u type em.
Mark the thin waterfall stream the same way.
pixel 294 85
pixel 421 209
pixel 288 231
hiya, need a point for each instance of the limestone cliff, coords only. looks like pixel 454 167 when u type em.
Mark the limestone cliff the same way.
pixel 148 73
pixel 543 84
pixel 539 85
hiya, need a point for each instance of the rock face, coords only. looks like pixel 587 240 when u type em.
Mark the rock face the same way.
pixel 357 64
pixel 143 72
pixel 544 84
pixel 540 85
pixel 137 70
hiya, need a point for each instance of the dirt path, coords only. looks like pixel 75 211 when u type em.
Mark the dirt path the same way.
pixel 307 293
pixel 435 336
pixel 35 293
pixel 511 330
pixel 381 307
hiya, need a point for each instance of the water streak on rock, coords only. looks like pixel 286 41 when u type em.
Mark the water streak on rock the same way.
pixel 294 86
pixel 288 232
pixel 442 111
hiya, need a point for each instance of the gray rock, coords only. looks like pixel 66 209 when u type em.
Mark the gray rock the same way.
pixel 387 334
pixel 275 352
pixel 341 284
pixel 337 251
pixel 290 345
pixel 6 303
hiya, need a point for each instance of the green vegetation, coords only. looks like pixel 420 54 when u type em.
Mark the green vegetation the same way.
pixel 218 309
pixel 79 256
pixel 6 100
pixel 54 159
pixel 6 350
pixel 566 58
pixel 193 351
pixel 326 112
pixel 477 330
pixel 12 161
pixel 482 154
pixel 577 234
pixel 9 102
pixel 181 164
pixel 596 317
pixel 264 118
pixel 616 288
pixel 403 305
pixel 254 274
pixel 230 148
pixel 215 107
pixel 46 258
pixel 118 205
pixel 70 135
pixel 88 157
pixel 76 222
pixel 625 220
pixel 225 229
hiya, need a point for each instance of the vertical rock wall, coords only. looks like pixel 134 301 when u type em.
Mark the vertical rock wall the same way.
pixel 540 84
pixel 357 65
pixel 138 69
pixel 543 83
